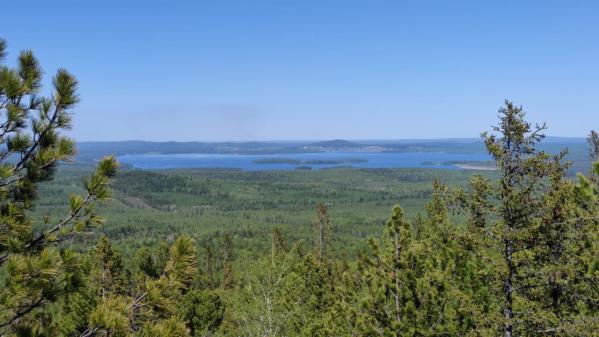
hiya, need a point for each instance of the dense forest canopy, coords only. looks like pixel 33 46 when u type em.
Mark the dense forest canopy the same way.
pixel 509 253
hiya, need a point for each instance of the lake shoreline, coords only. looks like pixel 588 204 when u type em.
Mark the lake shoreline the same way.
pixel 313 161
pixel 476 167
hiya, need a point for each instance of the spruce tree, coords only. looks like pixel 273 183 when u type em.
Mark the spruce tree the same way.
pixel 152 260
pixel 593 140
pixel 203 312
pixel 209 265
pixel 227 262
pixel 539 232
pixel 322 231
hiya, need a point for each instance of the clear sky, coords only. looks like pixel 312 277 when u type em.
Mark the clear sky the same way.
pixel 272 70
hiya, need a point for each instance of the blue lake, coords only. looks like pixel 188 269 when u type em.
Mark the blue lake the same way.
pixel 294 161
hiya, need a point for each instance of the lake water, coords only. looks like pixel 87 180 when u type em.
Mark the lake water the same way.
pixel 312 161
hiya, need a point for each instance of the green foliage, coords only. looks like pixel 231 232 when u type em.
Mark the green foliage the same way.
pixel 248 205
pixel 37 272
pixel 539 233
pixel 141 304
pixel 166 328
pixel 422 281
pixel 322 231
pixel 182 265
pixel 525 263
pixel 203 311
pixel 111 316
pixel 515 255
pixel 152 261
pixel 228 273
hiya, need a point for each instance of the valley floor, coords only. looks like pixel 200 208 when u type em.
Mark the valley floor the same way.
pixel 150 206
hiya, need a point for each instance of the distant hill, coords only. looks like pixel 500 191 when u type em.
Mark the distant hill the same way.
pixel 89 152
pixel 97 149
pixel 138 147
pixel 336 143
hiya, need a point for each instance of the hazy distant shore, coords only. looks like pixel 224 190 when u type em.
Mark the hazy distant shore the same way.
pixel 308 162
pixel 478 167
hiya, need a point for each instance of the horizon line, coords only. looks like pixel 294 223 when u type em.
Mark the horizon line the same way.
pixel 309 140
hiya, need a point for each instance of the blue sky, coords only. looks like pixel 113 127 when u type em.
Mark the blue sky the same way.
pixel 272 70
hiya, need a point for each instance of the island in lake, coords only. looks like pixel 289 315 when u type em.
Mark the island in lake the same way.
pixel 304 162
pixel 465 165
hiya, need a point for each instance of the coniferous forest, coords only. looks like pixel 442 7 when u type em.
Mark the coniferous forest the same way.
pixel 86 252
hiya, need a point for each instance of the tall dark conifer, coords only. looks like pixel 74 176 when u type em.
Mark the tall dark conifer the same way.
pixel 539 231
pixel 227 262
pixel 322 231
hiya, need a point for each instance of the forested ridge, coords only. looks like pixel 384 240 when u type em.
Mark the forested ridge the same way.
pixel 510 253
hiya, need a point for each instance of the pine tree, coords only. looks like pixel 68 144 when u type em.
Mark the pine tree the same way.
pixel 171 327
pixel 388 280
pixel 104 277
pixel 423 279
pixel 111 275
pixel 37 272
pixel 167 305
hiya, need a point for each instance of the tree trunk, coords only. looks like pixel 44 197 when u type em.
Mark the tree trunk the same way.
pixel 507 289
